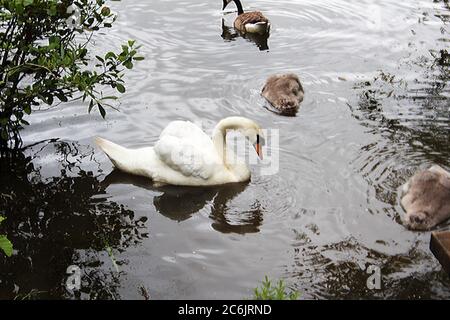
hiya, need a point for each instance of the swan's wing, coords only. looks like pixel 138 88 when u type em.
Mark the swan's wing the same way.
pixel 182 128
pixel 185 148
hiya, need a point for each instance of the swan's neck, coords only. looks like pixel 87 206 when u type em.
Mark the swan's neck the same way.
pixel 219 139
pixel 239 6
pixel 219 136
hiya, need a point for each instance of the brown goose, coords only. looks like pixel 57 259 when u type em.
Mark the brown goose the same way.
pixel 426 199
pixel 249 22
pixel 284 92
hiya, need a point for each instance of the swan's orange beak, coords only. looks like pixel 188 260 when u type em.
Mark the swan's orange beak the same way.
pixel 258 148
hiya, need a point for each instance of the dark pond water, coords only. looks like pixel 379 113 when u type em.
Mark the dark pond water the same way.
pixel 376 76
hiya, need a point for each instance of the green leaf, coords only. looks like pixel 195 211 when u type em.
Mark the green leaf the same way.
pixel 27 109
pixel 52 10
pixel 49 100
pixel 6 245
pixel 110 55
pixel 102 110
pixel 138 58
pixel 120 88
pixel 106 11
pixel 91 104
pixel 26 3
pixel 128 64
pixel 2 219
pixel 110 98
pixel 62 97
pixel 54 41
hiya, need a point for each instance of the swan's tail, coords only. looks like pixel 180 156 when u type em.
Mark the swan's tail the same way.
pixel 120 157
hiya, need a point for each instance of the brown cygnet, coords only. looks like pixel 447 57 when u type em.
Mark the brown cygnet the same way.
pixel 426 199
pixel 284 92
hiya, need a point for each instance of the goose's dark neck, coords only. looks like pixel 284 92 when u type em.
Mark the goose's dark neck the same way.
pixel 239 6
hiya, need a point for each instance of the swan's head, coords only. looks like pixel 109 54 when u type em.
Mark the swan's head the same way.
pixel 248 128
pixel 255 135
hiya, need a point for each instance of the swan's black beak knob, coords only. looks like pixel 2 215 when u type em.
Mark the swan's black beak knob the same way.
pixel 258 147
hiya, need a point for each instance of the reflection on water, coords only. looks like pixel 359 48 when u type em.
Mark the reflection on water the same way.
pixel 260 40
pixel 180 203
pixel 414 116
pixel 327 278
pixel 59 221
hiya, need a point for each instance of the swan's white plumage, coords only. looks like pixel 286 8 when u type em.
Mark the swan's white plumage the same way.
pixel 186 148
pixel 184 155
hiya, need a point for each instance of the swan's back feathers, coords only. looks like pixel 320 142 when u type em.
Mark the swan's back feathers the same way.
pixel 181 129
pixel 184 147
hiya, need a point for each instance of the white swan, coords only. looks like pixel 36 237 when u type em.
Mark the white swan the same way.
pixel 185 155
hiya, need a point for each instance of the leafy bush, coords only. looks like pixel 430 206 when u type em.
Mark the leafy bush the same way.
pixel 268 291
pixel 44 58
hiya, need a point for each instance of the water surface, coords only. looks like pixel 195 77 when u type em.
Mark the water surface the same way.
pixel 376 109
